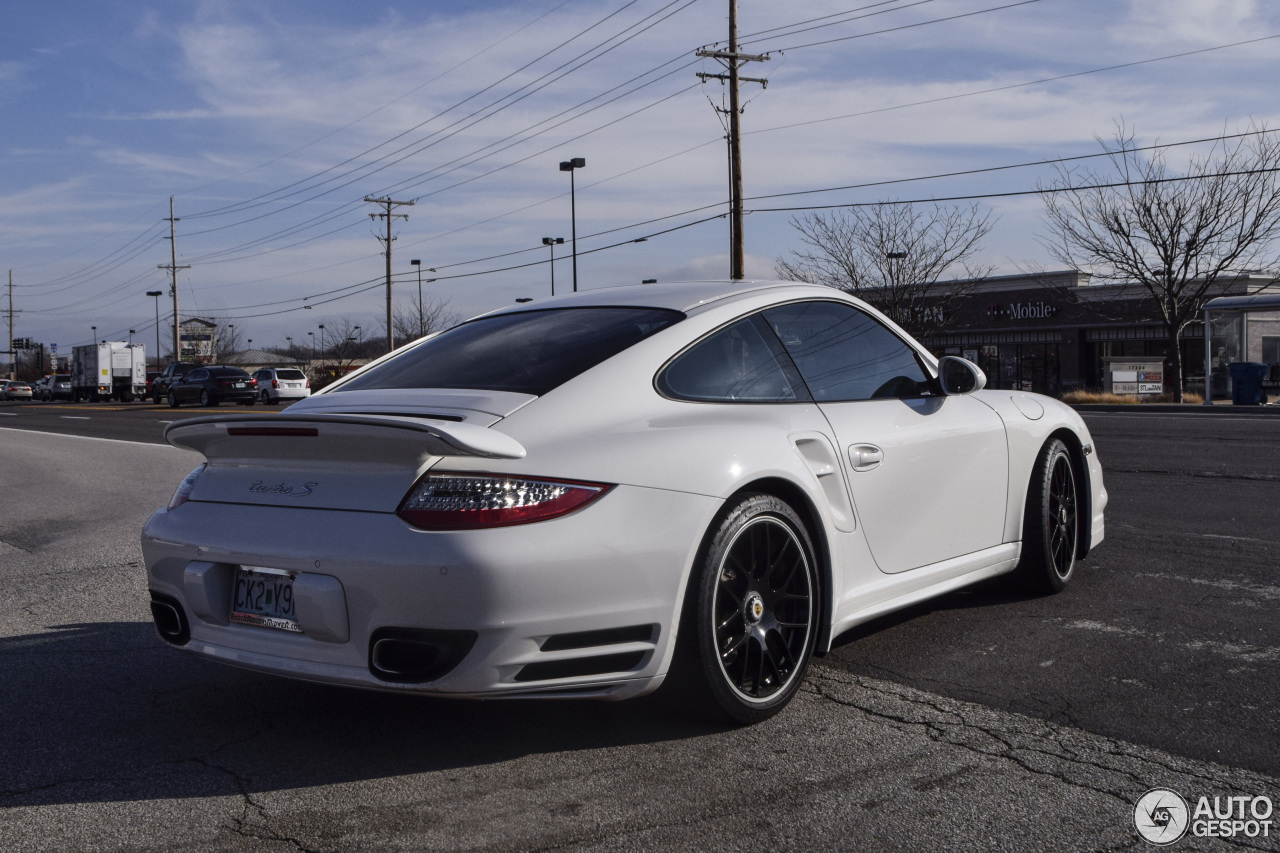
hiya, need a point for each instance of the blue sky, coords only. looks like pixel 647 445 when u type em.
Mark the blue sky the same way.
pixel 270 121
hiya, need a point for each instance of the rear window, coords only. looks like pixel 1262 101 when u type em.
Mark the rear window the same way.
pixel 289 374
pixel 227 371
pixel 530 352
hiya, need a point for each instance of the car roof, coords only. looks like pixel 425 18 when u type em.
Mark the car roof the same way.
pixel 684 296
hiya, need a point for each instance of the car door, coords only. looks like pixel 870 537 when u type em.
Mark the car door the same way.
pixel 188 387
pixel 928 472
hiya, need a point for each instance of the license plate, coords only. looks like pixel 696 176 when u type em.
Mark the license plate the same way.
pixel 264 597
pixel 239 384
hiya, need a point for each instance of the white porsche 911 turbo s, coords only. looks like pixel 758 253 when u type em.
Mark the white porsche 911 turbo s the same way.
pixel 699 482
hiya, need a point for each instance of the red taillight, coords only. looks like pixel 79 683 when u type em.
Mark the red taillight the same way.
pixel 222 383
pixel 253 382
pixel 308 383
pixel 275 383
pixel 183 493
pixel 470 501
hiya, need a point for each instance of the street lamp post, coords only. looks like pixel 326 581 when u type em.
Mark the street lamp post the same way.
pixel 157 294
pixel 312 335
pixel 95 334
pixel 417 262
pixel 132 332
pixel 553 242
pixel 570 166
pixel 288 340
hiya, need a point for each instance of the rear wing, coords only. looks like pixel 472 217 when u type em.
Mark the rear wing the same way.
pixel 370 437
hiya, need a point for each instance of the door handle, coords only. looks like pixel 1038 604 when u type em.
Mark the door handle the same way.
pixel 864 457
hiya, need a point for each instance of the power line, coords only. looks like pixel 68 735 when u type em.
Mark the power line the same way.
pixel 444 112
pixel 1006 88
pixel 1017 193
pixel 905 26
pixel 372 112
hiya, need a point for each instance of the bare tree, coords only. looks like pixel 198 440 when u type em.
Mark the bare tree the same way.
pixel 226 340
pixel 894 256
pixel 1178 235
pixel 344 341
pixel 412 321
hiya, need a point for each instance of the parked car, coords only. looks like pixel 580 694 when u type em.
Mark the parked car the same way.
pixel 38 388
pixel 14 390
pixel 282 383
pixel 701 484
pixel 56 387
pixel 213 384
pixel 151 384
pixel 160 385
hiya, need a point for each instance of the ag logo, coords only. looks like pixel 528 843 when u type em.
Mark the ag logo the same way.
pixel 1161 816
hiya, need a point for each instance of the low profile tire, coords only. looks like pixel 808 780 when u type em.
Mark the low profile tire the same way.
pixel 751 614
pixel 263 398
pixel 207 399
pixel 1051 523
pixel 173 400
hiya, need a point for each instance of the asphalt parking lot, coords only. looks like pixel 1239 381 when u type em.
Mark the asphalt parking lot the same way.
pixel 983 720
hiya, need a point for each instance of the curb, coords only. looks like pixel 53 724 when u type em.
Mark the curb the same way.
pixel 1270 410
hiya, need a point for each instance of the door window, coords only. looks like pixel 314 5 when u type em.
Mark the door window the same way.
pixel 845 355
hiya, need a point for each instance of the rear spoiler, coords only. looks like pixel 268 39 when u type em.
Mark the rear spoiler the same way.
pixel 437 437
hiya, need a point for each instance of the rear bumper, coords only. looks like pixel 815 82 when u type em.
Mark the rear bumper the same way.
pixel 557 607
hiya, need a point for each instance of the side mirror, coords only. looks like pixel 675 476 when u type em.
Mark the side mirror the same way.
pixel 960 376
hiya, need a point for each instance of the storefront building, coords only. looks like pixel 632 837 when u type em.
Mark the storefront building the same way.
pixel 1054 332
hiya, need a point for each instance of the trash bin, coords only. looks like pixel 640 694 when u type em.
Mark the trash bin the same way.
pixel 1246 382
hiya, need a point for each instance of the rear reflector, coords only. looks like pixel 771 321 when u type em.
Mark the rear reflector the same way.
pixel 470 501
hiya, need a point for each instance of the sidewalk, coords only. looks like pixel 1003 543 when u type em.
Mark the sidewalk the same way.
pixel 1219 408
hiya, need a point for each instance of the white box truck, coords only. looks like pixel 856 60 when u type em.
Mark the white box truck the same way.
pixel 111 370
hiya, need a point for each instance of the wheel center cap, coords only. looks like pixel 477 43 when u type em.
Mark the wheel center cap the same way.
pixel 754 608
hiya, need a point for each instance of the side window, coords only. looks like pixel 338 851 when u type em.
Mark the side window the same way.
pixel 196 375
pixel 741 363
pixel 844 354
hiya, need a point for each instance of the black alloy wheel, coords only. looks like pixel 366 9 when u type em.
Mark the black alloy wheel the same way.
pixel 1051 525
pixel 173 399
pixel 207 399
pixel 755 610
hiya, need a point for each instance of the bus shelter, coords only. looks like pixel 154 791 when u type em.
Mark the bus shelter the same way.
pixel 1241 329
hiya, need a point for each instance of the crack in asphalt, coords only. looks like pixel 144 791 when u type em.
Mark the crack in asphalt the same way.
pixel 949 724
pixel 1209 475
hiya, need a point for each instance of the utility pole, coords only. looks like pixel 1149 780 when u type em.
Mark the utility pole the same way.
pixel 732 60
pixel 173 268
pixel 388 203
pixel 13 354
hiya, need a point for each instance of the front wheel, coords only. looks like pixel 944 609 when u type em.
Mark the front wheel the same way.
pixel 173 400
pixel 1051 523
pixel 207 399
pixel 752 615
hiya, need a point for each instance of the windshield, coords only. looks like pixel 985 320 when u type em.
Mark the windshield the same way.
pixel 529 352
